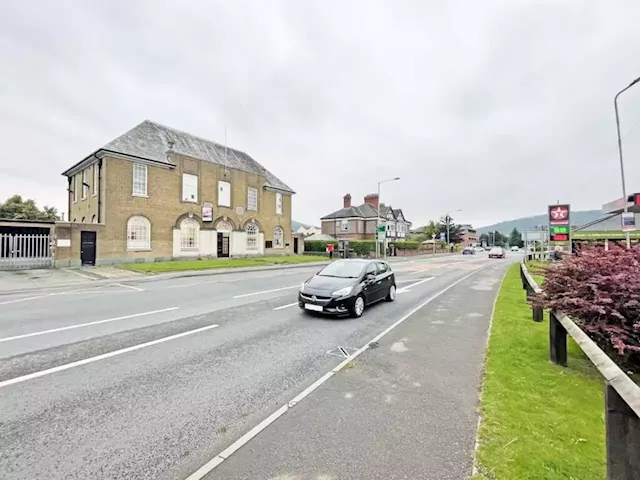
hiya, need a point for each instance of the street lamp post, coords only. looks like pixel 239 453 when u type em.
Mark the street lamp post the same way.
pixel 624 188
pixel 378 217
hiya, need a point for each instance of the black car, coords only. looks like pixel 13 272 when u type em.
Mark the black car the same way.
pixel 347 286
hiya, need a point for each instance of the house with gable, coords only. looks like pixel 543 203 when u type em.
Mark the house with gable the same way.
pixel 359 222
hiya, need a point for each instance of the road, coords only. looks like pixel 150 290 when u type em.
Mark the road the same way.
pixel 152 380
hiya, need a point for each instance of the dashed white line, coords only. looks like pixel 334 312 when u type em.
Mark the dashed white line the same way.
pixel 286 306
pixel 127 286
pixel 408 287
pixel 26 299
pixel 70 327
pixel 266 291
pixel 67 366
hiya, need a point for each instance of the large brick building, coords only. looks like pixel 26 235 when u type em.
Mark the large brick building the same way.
pixel 359 222
pixel 156 193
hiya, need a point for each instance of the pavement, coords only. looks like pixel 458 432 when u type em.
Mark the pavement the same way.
pixel 156 379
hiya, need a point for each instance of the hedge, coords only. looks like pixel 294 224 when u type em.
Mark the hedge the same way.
pixel 361 247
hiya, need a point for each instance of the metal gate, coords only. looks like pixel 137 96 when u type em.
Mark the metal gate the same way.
pixel 22 251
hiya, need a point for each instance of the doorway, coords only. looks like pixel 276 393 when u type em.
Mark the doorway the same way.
pixel 223 244
pixel 88 248
pixel 295 245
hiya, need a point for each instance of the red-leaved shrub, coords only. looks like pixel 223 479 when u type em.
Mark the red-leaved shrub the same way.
pixel 600 291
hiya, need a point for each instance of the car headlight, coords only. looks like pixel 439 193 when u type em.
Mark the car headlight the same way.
pixel 302 286
pixel 342 292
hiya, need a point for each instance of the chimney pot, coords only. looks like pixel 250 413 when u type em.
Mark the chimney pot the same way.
pixel 347 200
pixel 372 199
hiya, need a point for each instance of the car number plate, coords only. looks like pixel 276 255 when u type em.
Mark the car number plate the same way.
pixel 315 308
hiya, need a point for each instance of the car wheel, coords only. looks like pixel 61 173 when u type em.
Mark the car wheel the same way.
pixel 391 296
pixel 358 307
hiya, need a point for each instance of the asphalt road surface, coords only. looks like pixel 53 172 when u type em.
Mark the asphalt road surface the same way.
pixel 153 380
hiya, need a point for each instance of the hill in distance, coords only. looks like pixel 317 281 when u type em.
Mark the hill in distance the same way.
pixel 530 223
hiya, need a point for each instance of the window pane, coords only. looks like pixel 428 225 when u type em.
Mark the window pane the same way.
pixel 138 233
pixel 224 194
pixel 189 232
pixel 278 237
pixel 279 203
pixel 252 236
pixel 252 198
pixel 139 179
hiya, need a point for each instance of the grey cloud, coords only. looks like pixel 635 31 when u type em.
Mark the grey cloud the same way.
pixel 334 96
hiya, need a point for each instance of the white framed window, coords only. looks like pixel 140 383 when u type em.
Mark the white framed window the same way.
pixel 85 188
pixel 96 180
pixel 138 233
pixel 189 188
pixel 278 204
pixel 75 189
pixel 252 236
pixel 252 198
pixel 278 237
pixel 189 232
pixel 139 180
pixel 344 225
pixel 224 193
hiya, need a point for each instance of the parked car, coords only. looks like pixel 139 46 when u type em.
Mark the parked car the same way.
pixel 515 249
pixel 497 252
pixel 468 251
pixel 347 287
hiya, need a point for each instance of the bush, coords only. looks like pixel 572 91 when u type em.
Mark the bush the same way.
pixel 317 245
pixel 601 291
pixel 406 245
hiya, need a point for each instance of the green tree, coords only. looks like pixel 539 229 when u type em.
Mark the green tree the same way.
pixel 455 231
pixel 431 229
pixel 515 238
pixel 17 208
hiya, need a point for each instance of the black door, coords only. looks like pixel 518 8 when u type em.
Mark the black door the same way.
pixel 88 248
pixel 295 245
pixel 223 245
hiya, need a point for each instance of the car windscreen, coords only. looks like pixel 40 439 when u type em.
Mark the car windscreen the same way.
pixel 343 270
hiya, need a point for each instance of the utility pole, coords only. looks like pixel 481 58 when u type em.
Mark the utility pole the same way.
pixel 624 188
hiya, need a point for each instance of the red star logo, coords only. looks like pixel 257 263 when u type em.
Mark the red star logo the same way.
pixel 559 213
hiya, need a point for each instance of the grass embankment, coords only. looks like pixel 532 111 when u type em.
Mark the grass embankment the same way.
pixel 185 265
pixel 539 420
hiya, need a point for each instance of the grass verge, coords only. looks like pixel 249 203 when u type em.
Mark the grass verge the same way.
pixel 185 265
pixel 539 420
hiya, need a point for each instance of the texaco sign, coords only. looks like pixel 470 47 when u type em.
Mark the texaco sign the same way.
pixel 559 215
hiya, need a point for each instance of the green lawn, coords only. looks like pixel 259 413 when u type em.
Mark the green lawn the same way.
pixel 539 420
pixel 184 265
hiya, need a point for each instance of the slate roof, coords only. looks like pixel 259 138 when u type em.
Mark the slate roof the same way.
pixel 363 211
pixel 150 140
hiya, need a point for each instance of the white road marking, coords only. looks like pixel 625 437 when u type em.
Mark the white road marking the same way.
pixel 266 291
pixel 408 287
pixel 70 327
pixel 243 440
pixel 67 366
pixel 128 286
pixel 26 299
pixel 286 306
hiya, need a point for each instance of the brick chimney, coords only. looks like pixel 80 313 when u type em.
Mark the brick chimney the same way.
pixel 372 199
pixel 347 200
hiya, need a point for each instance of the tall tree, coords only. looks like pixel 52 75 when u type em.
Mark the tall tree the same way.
pixel 17 208
pixel 455 231
pixel 515 238
pixel 431 229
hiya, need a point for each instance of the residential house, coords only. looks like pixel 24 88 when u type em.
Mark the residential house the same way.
pixel 359 222
pixel 156 193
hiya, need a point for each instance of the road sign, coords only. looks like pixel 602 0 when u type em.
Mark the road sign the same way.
pixel 381 228
pixel 628 221
pixel 381 235
pixel 443 236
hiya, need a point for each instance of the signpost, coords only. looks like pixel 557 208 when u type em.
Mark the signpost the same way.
pixel 560 226
pixel 381 236
pixel 433 237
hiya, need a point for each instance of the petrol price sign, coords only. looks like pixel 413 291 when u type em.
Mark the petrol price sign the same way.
pixel 559 216
pixel 559 234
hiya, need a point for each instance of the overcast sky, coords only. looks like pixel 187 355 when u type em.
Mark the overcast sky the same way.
pixel 497 108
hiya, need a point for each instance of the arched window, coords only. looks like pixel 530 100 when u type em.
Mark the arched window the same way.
pixel 138 233
pixel 278 237
pixel 94 219
pixel 189 232
pixel 82 220
pixel 252 236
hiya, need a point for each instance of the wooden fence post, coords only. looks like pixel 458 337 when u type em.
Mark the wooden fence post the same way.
pixel 538 314
pixel 557 341
pixel 623 438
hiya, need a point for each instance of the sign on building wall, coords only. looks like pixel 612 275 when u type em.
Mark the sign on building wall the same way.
pixel 628 221
pixel 207 212
pixel 560 226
